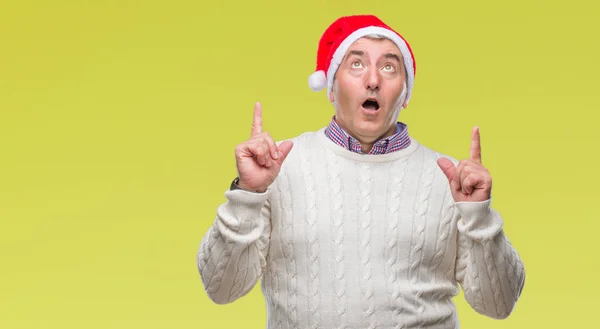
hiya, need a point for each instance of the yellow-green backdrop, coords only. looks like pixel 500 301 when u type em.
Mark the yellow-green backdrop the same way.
pixel 118 121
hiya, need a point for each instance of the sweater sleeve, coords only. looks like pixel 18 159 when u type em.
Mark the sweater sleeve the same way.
pixel 488 267
pixel 232 254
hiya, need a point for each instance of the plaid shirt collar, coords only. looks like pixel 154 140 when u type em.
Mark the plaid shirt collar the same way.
pixel 396 142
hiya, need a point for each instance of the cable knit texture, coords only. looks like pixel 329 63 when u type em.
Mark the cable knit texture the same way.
pixel 347 240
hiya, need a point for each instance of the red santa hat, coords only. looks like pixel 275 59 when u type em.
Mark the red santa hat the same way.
pixel 340 35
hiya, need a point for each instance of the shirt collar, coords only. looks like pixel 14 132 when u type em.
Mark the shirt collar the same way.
pixel 399 140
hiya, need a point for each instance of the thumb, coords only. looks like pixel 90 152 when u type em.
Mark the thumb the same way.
pixel 284 149
pixel 447 167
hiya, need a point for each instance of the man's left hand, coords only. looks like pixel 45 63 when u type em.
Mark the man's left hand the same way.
pixel 470 181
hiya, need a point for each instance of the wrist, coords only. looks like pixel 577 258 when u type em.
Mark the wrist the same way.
pixel 237 185
pixel 478 220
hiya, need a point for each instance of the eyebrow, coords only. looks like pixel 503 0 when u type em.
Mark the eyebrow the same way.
pixel 392 56
pixel 359 53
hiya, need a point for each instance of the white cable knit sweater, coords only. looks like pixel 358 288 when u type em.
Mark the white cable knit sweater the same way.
pixel 346 240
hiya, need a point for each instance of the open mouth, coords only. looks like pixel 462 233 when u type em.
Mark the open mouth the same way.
pixel 371 104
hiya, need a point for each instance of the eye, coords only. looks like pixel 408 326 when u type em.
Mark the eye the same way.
pixel 356 64
pixel 389 67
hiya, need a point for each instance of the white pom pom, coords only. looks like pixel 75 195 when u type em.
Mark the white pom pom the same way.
pixel 317 81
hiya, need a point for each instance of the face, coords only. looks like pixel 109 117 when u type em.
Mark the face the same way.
pixel 369 89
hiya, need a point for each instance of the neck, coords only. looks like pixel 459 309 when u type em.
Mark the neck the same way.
pixel 366 158
pixel 366 147
pixel 366 142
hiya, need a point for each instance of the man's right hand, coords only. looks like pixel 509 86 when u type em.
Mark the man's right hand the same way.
pixel 259 159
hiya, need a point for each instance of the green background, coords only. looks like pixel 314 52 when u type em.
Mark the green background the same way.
pixel 118 121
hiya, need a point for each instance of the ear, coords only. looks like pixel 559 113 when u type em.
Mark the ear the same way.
pixel 404 105
pixel 331 99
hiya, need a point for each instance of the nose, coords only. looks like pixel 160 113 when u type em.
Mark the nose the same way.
pixel 372 79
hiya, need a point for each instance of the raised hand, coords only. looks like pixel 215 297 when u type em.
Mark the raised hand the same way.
pixel 470 180
pixel 259 159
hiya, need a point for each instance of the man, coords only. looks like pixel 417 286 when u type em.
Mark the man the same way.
pixel 358 225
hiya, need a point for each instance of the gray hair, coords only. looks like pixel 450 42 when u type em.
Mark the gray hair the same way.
pixel 375 36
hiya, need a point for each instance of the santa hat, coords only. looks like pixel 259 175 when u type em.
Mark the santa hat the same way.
pixel 340 35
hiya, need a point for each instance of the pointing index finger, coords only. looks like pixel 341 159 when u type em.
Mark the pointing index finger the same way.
pixel 257 121
pixel 475 145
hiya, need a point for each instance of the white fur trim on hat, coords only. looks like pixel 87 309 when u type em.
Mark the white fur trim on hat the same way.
pixel 317 81
pixel 340 52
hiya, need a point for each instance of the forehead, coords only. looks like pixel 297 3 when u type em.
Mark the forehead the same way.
pixel 375 46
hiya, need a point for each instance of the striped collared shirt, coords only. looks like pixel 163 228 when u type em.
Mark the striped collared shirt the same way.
pixel 396 142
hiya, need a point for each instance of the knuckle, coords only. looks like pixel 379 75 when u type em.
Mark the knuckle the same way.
pixel 269 140
pixel 488 179
pixel 239 149
pixel 261 149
